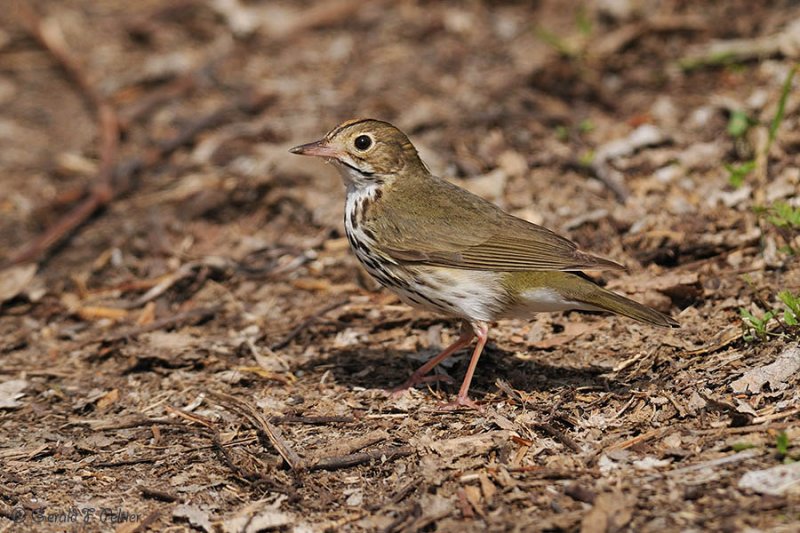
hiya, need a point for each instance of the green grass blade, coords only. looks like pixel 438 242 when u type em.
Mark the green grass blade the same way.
pixel 778 118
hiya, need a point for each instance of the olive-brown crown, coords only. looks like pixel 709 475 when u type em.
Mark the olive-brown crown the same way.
pixel 373 147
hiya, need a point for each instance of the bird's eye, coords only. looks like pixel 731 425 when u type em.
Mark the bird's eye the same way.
pixel 363 142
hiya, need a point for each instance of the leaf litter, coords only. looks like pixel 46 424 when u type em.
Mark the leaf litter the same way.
pixel 200 349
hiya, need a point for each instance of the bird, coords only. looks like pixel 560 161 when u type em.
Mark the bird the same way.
pixel 441 248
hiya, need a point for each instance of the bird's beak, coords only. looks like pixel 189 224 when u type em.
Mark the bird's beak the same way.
pixel 318 148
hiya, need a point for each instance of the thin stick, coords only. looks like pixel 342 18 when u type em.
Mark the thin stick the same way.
pixel 306 323
pixel 558 435
pixel 191 417
pixel 311 420
pixel 112 179
pixel 355 459
pixel 48 34
pixel 264 427
pixel 192 316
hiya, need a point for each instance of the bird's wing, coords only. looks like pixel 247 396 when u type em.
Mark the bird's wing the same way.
pixel 440 224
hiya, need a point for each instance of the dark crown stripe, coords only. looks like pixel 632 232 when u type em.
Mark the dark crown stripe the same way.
pixel 344 125
pixel 335 131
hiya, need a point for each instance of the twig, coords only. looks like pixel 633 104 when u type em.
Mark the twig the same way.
pixel 191 417
pixel 127 462
pixel 155 99
pixel 357 444
pixel 635 440
pixel 169 280
pixel 117 180
pixel 191 316
pixel 734 51
pixel 742 429
pixel 125 423
pixel 306 323
pixel 312 420
pixel 275 435
pixel 48 34
pixel 355 459
pixel 558 435
pixel 159 495
pixel 264 427
pixel 733 458
pixel 775 416
pixel 541 472
pixel 243 474
pixel 129 168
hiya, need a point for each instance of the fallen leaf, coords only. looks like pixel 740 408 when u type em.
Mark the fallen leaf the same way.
pixel 775 374
pixel 94 312
pixel 108 399
pixel 259 521
pixel 572 330
pixel 14 280
pixel 10 392
pixel 611 512
pixel 669 281
pixel 196 517
pixel 478 444
pixel 775 481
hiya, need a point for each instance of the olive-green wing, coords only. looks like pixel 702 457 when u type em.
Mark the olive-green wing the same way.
pixel 437 223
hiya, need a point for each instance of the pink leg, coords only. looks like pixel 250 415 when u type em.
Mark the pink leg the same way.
pixel 462 400
pixel 420 375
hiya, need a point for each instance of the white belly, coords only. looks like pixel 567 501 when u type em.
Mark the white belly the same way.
pixel 473 295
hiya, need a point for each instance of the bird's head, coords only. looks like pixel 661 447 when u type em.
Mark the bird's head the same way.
pixel 366 152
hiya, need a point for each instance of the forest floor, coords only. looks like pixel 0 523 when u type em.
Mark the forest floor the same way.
pixel 187 343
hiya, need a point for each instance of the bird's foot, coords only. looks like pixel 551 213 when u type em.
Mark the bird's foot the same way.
pixel 415 380
pixel 461 401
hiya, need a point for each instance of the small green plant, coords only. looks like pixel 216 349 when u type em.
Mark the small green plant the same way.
pixel 782 445
pixel 586 158
pixel 561 45
pixel 737 173
pixel 786 220
pixel 742 446
pixel 583 21
pixel 739 123
pixel 791 316
pixel 778 118
pixel 783 215
pixel 755 326
pixel 586 125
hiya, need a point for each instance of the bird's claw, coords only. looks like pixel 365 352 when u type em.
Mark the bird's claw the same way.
pixel 461 401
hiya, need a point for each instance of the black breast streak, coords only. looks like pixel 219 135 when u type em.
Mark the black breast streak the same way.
pixel 369 234
pixel 362 209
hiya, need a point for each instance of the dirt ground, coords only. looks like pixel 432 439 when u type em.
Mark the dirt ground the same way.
pixel 186 342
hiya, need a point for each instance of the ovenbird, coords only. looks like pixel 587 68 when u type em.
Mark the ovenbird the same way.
pixel 444 249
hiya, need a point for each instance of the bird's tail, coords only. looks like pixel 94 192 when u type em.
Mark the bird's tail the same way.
pixel 610 301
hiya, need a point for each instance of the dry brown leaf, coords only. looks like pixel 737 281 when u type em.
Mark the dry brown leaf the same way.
pixel 108 399
pixel 196 517
pixel 15 279
pixel 10 392
pixel 611 512
pixel 775 481
pixel 775 374
pixel 572 330
pixel 665 282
